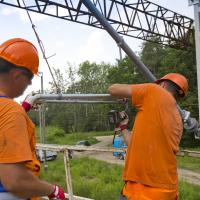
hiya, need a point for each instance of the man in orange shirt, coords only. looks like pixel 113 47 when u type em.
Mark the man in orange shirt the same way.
pixel 150 171
pixel 19 167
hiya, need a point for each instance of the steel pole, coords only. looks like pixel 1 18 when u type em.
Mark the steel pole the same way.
pixel 197 43
pixel 41 108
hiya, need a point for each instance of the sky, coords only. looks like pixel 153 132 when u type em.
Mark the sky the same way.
pixel 69 41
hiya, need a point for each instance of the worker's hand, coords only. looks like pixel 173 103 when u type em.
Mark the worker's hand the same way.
pixel 58 193
pixel 123 100
pixel 28 102
pixel 124 118
pixel 123 123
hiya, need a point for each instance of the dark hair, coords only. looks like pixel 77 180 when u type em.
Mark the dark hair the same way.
pixel 174 87
pixel 6 66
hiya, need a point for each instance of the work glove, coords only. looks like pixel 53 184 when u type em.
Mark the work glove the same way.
pixel 124 122
pixel 28 102
pixel 58 193
pixel 123 100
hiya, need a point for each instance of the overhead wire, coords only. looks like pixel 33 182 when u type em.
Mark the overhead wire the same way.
pixel 42 48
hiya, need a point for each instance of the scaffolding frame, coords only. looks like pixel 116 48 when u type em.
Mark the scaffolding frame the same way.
pixel 68 98
pixel 139 19
pixel 65 150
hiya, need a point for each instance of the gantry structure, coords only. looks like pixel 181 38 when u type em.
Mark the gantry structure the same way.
pixel 140 19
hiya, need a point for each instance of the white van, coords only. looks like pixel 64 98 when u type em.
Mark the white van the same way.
pixel 50 155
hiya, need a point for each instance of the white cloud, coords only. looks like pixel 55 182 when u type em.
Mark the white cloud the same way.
pixel 59 44
pixel 23 15
pixel 97 48
pixel 7 11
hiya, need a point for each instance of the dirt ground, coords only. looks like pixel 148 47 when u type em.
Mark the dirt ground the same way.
pixel 106 141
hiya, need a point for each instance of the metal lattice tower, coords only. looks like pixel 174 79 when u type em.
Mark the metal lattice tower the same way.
pixel 140 19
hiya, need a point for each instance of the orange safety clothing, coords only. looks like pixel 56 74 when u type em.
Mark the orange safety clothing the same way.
pixel 21 53
pixel 179 80
pixel 155 138
pixel 137 191
pixel 17 136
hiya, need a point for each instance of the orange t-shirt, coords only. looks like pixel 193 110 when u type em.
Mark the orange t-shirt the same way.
pixel 155 138
pixel 17 136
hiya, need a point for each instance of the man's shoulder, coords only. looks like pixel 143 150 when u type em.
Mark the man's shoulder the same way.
pixel 147 87
pixel 149 90
pixel 10 105
pixel 153 87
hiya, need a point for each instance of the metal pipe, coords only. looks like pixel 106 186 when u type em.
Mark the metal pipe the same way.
pixel 119 40
pixel 43 134
pixel 39 98
pixel 196 5
pixel 81 101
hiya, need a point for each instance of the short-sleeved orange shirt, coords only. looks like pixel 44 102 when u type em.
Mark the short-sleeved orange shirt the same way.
pixel 17 136
pixel 155 138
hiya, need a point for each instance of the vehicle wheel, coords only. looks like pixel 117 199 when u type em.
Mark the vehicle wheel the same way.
pixel 121 157
pixel 54 157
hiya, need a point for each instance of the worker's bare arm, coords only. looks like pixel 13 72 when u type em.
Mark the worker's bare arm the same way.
pixel 120 90
pixel 21 182
pixel 126 135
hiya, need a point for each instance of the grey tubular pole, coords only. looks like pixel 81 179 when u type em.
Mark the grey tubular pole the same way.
pixel 80 102
pixel 40 98
pixel 197 41
pixel 119 40
pixel 41 108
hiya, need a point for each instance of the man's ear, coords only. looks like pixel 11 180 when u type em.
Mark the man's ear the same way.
pixel 15 74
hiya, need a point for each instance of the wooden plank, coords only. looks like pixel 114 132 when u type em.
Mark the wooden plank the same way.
pixel 189 153
pixel 62 148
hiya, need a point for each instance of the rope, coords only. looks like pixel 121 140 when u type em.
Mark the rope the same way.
pixel 42 48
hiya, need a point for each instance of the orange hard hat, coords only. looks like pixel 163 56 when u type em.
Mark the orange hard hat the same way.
pixel 21 53
pixel 177 79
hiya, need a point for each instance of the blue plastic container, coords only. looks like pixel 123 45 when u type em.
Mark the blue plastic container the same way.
pixel 118 144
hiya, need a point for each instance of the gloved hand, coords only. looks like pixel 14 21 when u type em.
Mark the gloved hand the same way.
pixel 28 102
pixel 58 193
pixel 124 123
pixel 124 118
pixel 123 100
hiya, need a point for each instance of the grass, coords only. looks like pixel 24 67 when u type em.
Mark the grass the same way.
pixel 188 191
pixel 189 163
pixel 91 178
pixel 100 180
pixel 55 135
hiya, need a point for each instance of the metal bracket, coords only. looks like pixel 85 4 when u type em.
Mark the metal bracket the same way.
pixel 197 134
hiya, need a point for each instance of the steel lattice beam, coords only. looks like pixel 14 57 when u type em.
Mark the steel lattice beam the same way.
pixel 136 18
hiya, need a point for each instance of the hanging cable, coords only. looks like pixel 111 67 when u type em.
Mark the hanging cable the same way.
pixel 42 48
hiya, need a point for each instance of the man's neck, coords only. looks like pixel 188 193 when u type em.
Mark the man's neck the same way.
pixel 4 92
